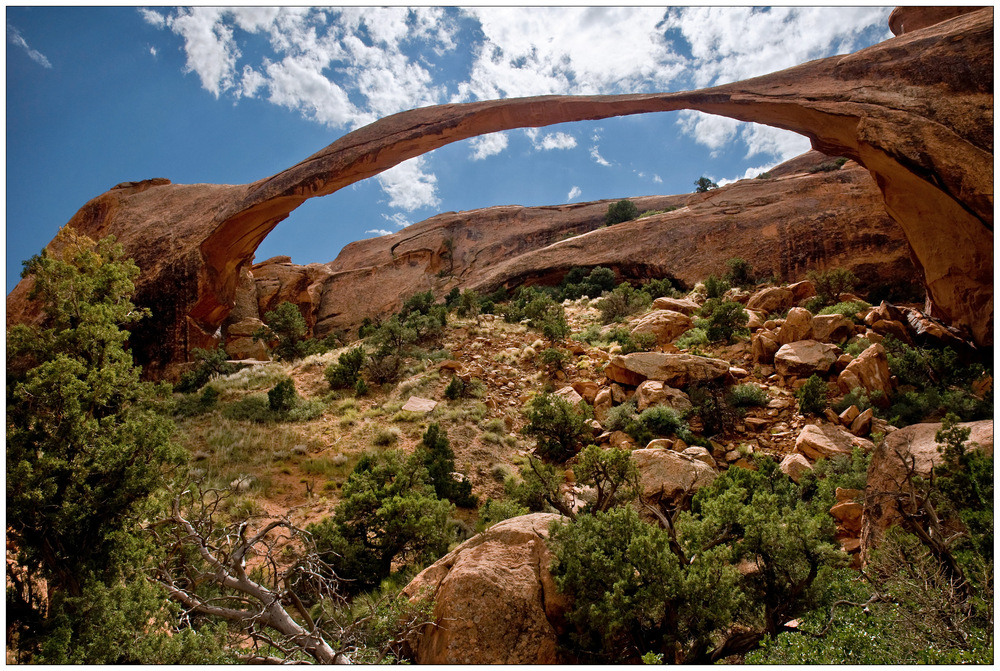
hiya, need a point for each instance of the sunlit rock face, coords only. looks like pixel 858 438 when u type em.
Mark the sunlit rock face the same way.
pixel 916 111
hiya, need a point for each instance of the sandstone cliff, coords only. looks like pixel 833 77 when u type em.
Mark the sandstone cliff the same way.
pixel 916 111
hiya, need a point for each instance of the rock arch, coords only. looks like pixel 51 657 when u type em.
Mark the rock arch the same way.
pixel 915 110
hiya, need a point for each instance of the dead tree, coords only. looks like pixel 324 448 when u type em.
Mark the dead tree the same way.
pixel 202 553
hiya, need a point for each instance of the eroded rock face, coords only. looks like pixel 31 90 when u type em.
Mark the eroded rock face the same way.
pixel 494 599
pixel 915 111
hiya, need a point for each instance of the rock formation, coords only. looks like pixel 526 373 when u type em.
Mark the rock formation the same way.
pixel 495 601
pixel 915 110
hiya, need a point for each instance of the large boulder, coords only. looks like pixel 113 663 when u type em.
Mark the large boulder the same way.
pixel 682 305
pixel 834 328
pixel 825 441
pixel 913 446
pixel 665 475
pixel 494 599
pixel 804 358
pixel 771 299
pixel 763 346
pixel 797 326
pixel 666 325
pixel 674 370
pixel 652 392
pixel 870 371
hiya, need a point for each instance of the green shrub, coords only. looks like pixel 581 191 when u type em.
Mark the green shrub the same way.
pixel 207 363
pixel 662 421
pixel 282 397
pixel 612 473
pixel 747 396
pixel 724 320
pixel 739 273
pixel 384 369
pixel 622 302
pixel 385 437
pixel 659 287
pixel 594 284
pixel 286 325
pixel 554 358
pixel 714 287
pixel 388 517
pixel 829 166
pixel 559 427
pixel 694 337
pixel 455 389
pixel 345 373
pixel 470 304
pixel 361 387
pixel 494 511
pixel 849 309
pixel 703 184
pixel 439 459
pixel 831 283
pixel 623 210
pixel 812 396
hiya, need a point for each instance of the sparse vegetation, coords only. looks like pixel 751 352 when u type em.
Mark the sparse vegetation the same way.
pixel 812 396
pixel 623 210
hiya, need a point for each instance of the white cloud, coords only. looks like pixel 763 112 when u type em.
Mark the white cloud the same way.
pixel 729 44
pixel 580 50
pixel 378 231
pixel 657 179
pixel 556 141
pixel 152 52
pixel 397 219
pixel 408 186
pixel 575 192
pixel 487 145
pixel 596 155
pixel 14 37
pixel 153 18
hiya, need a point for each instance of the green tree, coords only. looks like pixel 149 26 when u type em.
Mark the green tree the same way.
pixel 439 460
pixel 812 396
pixel 286 325
pixel 704 184
pixel 724 320
pixel 345 373
pixel 623 210
pixel 612 473
pixel 85 449
pixel 389 515
pixel 739 273
pixel 559 427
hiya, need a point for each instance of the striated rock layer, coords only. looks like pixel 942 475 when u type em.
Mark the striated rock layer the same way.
pixel 915 110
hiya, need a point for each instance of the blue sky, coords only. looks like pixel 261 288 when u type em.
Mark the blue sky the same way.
pixel 99 96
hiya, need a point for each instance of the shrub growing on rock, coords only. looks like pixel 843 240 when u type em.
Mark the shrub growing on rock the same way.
pixel 812 396
pixel 623 210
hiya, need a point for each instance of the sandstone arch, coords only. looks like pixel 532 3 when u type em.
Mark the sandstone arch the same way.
pixel 915 110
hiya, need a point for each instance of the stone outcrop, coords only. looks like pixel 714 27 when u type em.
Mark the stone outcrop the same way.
pixel 495 601
pixel 665 475
pixel 870 371
pixel 915 111
pixel 666 325
pixel 825 441
pixel 804 358
pixel 914 445
pixel 674 370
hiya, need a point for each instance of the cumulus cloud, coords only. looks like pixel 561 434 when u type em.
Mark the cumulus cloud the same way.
pixel 728 44
pixel 348 67
pixel 409 187
pixel 488 145
pixel 14 37
pixel 378 231
pixel 575 192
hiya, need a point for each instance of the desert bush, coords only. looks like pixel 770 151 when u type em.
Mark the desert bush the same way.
pixel 594 284
pixel 345 373
pixel 747 396
pixel 386 436
pixel 714 287
pixel 209 362
pixel 611 472
pixel 282 397
pixel 693 337
pixel 657 288
pixel 724 321
pixel 703 184
pixel 812 396
pixel 438 458
pixel 559 427
pixel 494 511
pixel 830 284
pixel 739 273
pixel 849 309
pixel 623 210
pixel 384 369
pixel 622 302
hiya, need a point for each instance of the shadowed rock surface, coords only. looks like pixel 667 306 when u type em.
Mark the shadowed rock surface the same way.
pixel 915 110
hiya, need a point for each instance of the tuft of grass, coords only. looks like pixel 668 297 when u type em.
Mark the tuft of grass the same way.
pixel 747 395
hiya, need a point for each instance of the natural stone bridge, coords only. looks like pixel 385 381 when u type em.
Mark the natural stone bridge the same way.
pixel 915 110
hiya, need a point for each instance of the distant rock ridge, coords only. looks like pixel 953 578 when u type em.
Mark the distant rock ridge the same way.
pixel 915 110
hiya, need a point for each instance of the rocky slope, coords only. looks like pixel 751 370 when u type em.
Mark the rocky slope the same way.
pixel 798 219
pixel 916 111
